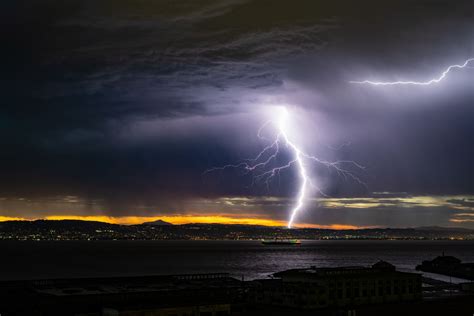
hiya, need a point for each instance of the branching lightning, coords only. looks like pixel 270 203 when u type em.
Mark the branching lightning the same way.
pixel 262 166
pixel 263 171
pixel 420 83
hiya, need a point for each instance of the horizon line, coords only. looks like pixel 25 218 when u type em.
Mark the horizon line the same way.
pixel 216 220
pixel 187 219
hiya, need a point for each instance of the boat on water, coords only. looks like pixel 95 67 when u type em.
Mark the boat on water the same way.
pixel 281 242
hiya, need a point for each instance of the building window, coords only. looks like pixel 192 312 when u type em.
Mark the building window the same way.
pixel 348 293
pixel 339 293
pixel 356 292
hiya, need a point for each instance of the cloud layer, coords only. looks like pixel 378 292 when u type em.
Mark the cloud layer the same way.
pixel 124 105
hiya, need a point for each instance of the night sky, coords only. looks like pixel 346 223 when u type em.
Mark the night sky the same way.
pixel 117 108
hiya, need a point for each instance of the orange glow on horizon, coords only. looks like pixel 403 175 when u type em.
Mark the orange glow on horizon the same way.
pixel 7 218
pixel 185 219
pixel 176 220
pixel 335 226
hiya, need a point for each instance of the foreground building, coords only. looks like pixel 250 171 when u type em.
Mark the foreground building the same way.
pixel 190 295
pixel 448 265
pixel 317 288
pixel 362 291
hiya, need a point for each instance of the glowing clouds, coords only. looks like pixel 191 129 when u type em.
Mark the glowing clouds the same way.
pixel 266 166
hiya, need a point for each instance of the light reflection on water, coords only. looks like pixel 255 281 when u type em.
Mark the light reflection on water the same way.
pixel 65 259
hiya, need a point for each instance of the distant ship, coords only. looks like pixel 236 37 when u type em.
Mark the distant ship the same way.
pixel 281 242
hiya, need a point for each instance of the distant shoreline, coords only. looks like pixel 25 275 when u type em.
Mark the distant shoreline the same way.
pixel 89 230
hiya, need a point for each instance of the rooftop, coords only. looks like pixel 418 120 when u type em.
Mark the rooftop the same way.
pixel 378 268
pixel 137 284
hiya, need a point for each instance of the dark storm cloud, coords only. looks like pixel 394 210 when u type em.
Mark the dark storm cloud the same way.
pixel 100 68
pixel 128 102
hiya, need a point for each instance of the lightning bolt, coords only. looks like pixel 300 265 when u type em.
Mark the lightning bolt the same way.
pixel 262 169
pixel 420 83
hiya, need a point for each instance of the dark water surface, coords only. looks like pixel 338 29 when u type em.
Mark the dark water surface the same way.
pixel 66 259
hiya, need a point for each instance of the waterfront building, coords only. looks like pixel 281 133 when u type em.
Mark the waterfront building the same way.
pixel 316 288
pixel 448 265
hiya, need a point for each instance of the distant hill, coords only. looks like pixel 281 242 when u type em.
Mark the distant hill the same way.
pixel 161 230
pixel 158 223
pixel 445 229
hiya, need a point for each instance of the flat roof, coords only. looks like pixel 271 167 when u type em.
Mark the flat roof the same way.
pixel 116 285
pixel 314 272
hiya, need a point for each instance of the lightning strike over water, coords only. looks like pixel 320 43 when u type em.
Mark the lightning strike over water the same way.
pixel 420 83
pixel 263 170
pixel 301 167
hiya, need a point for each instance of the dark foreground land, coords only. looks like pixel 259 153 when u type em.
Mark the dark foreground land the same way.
pixel 455 306
pixel 233 300
pixel 376 290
